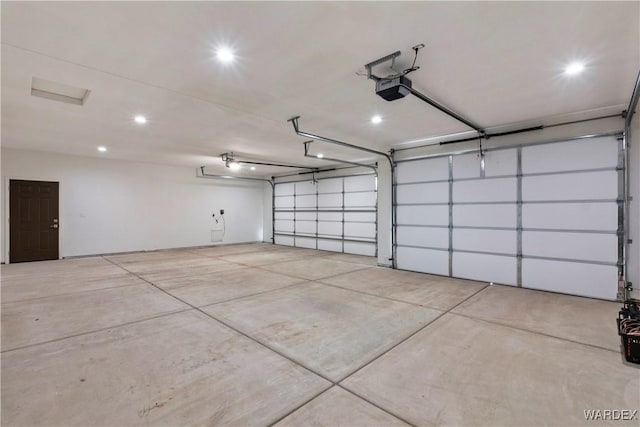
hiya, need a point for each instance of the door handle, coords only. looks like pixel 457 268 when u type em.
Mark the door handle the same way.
pixel 53 226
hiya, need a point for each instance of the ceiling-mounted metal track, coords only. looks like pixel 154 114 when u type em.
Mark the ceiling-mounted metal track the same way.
pixel 445 110
pixel 229 158
pixel 307 144
pixel 296 128
pixel 203 174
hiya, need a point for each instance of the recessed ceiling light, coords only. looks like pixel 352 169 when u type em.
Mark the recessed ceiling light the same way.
pixel 102 149
pixel 253 168
pixel 225 55
pixel 234 166
pixel 320 155
pixel 574 68
pixel 376 119
pixel 140 119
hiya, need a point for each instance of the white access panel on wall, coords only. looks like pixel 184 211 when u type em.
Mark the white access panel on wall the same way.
pixel 333 214
pixel 543 216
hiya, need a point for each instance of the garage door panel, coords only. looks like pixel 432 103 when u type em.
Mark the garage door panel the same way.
pixel 574 278
pixel 496 241
pixel 423 170
pixel 567 214
pixel 284 189
pixel 329 216
pixel 329 245
pixel 423 260
pixel 326 201
pixel 330 185
pixel 284 226
pixel 283 215
pixel 423 193
pixel 360 183
pixel 358 248
pixel 487 268
pixel 322 214
pixel 485 215
pixel 571 186
pixel 305 216
pixel 423 236
pixel 305 187
pixel 485 190
pixel 284 240
pixel 367 199
pixel 570 155
pixel 307 201
pixel 423 215
pixel 571 216
pixel 306 227
pixel 577 246
pixel 330 228
pixel 360 216
pixel 356 229
pixel 497 163
pixel 284 202
pixel 305 242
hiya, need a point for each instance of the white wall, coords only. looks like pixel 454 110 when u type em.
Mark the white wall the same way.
pixel 109 206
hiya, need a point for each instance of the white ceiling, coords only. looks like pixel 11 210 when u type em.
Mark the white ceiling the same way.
pixel 495 63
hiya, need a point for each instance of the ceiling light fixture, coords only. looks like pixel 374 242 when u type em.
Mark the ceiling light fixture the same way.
pixel 102 149
pixel 320 155
pixel 140 119
pixel 225 55
pixel 574 68
pixel 376 119
pixel 253 168
pixel 234 166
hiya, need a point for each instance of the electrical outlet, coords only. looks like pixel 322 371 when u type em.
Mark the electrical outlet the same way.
pixel 221 211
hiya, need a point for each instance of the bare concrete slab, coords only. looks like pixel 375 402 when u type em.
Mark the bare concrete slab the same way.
pixel 355 259
pixel 41 288
pixel 151 256
pixel 93 267
pixel 181 369
pixel 224 285
pixel 314 268
pixel 162 264
pixel 265 258
pixel 196 265
pixel 331 330
pixel 222 250
pixel 417 288
pixel 461 371
pixel 337 407
pixel 579 319
pixel 41 279
pixel 44 319
pixel 79 264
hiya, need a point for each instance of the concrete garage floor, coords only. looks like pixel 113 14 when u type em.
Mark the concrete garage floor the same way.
pixel 261 334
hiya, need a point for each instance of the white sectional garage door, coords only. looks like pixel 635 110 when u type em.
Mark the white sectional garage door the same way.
pixel 541 216
pixel 333 214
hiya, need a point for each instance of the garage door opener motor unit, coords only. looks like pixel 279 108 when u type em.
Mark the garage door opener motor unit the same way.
pixel 397 85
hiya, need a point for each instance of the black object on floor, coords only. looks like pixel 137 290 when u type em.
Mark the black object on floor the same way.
pixel 629 331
